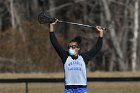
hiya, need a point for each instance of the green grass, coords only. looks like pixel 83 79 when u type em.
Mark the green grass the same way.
pixel 94 87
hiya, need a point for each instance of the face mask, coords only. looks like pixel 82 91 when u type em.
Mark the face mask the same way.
pixel 72 52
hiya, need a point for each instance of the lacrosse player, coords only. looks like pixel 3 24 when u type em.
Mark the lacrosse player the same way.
pixel 75 63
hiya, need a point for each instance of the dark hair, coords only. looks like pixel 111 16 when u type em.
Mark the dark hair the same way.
pixel 77 39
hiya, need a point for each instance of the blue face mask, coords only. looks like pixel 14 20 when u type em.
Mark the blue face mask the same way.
pixel 72 52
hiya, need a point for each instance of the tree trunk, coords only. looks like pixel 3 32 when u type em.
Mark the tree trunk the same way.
pixel 16 17
pixel 12 14
pixel 52 5
pixel 135 37
pixel 34 7
pixel 2 14
pixel 113 37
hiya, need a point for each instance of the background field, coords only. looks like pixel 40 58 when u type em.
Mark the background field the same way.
pixel 94 87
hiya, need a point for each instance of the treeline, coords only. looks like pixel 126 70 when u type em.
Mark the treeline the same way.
pixel 25 44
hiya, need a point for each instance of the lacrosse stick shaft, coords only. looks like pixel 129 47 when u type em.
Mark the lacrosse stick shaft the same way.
pixel 79 24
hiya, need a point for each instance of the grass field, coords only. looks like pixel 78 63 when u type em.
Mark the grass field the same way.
pixel 94 87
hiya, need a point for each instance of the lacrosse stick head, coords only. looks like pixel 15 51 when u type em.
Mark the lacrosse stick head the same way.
pixel 44 18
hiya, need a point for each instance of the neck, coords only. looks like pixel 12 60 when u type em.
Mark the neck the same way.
pixel 75 56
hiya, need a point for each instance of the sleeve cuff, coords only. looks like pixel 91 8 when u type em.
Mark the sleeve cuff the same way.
pixel 100 37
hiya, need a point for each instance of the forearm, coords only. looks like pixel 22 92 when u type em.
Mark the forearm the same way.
pixel 54 41
pixel 94 50
pixel 52 27
pixel 61 52
pixel 101 34
pixel 53 37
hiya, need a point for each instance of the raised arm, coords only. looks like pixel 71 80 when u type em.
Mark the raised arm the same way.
pixel 96 48
pixel 61 52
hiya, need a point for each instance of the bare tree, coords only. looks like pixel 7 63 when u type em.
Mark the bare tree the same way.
pixel 52 5
pixel 16 17
pixel 135 36
pixel 3 12
pixel 113 36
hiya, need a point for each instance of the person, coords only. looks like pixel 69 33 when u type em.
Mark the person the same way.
pixel 74 62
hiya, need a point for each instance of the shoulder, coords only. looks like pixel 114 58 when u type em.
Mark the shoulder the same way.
pixel 85 59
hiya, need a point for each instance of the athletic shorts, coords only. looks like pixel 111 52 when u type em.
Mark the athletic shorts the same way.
pixel 76 90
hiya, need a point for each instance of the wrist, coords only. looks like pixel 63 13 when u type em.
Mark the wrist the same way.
pixel 101 34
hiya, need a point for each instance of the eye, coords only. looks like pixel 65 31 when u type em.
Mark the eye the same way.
pixel 72 46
